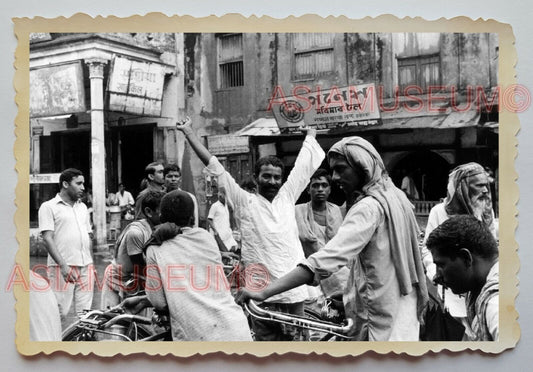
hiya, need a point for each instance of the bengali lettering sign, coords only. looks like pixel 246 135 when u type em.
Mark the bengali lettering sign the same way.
pixel 355 105
pixel 136 87
pixel 57 90
pixel 227 144
pixel 45 178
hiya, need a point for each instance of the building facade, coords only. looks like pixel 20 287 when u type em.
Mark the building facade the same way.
pixel 106 104
pixel 436 95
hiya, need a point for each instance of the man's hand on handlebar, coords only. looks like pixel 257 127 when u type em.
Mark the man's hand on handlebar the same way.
pixel 135 304
pixel 245 294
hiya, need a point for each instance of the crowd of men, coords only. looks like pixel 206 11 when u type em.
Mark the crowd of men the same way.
pixel 368 251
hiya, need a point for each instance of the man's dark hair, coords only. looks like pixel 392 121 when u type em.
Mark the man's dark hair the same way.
pixel 177 206
pixel 171 168
pixel 268 160
pixel 68 174
pixel 321 172
pixel 463 231
pixel 150 168
pixel 152 200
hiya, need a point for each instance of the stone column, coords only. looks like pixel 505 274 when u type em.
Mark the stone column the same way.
pixel 96 75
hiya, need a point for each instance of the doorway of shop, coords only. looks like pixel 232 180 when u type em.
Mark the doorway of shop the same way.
pixel 428 170
pixel 136 152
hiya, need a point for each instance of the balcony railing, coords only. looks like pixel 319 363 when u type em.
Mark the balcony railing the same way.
pixel 422 207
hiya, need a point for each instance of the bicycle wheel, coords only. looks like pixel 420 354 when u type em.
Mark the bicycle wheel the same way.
pixel 133 332
pixel 75 332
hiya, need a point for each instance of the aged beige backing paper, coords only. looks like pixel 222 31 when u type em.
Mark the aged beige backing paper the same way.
pixel 508 195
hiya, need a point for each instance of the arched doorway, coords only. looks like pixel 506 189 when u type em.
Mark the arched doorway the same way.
pixel 429 171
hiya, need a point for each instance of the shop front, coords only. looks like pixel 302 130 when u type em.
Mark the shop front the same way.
pixel 101 103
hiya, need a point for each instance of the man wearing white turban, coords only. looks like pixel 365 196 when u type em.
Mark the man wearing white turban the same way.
pixel 468 193
pixel 386 292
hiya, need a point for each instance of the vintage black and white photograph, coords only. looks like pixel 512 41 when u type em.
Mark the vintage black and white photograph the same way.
pixel 265 186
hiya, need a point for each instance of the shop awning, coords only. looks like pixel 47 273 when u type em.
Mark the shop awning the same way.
pixel 395 120
pixel 445 120
pixel 260 127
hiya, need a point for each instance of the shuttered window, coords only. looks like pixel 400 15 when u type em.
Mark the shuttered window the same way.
pixel 230 61
pixel 419 71
pixel 313 54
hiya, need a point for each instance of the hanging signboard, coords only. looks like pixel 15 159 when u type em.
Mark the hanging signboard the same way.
pixel 227 144
pixel 335 107
pixel 135 87
pixel 44 178
pixel 57 90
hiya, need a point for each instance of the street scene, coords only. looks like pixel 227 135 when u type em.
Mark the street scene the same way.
pixel 264 186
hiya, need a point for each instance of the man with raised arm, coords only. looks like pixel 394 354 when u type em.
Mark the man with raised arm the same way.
pixel 270 242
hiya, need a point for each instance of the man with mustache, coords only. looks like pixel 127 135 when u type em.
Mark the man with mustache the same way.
pixel 67 234
pixel 270 242
pixel 468 193
pixel 153 180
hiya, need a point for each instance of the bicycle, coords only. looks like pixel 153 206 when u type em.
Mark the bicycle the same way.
pixel 327 330
pixel 116 324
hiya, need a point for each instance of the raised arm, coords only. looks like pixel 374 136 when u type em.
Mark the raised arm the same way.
pixel 186 128
pixel 307 162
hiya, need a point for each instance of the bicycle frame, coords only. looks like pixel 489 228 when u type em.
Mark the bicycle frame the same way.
pixel 113 325
pixel 339 330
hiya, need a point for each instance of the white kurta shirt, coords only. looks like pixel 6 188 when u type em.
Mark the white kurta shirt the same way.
pixel 219 213
pixel 269 231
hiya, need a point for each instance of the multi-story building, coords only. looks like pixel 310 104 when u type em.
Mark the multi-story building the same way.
pixel 436 96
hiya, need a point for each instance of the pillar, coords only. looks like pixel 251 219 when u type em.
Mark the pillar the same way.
pixel 96 75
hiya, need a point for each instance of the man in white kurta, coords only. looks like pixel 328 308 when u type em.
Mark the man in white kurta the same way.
pixel 269 231
pixel 219 220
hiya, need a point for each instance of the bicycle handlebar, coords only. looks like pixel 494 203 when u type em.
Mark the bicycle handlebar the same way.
pixel 299 321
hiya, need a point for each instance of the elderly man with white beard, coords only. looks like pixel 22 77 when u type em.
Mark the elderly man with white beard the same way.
pixel 468 193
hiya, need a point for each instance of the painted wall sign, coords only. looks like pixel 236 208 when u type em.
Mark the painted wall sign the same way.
pixel 40 36
pixel 45 178
pixel 136 87
pixel 227 144
pixel 57 90
pixel 355 105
